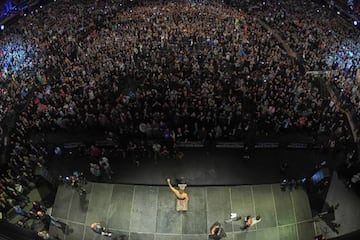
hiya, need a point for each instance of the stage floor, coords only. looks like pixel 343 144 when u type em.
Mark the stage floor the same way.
pixel 134 212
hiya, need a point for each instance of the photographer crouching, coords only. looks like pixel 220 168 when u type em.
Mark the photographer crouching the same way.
pixel 76 181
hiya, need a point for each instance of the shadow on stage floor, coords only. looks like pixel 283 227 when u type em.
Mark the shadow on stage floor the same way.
pixel 148 212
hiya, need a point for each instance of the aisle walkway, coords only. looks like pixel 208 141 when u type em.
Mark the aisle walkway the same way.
pixel 221 167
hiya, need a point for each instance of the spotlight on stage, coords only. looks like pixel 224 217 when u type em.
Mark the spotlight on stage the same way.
pixel 355 23
pixel 2 27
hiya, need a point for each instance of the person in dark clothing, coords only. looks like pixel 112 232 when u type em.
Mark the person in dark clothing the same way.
pixel 216 232
pixel 22 223
pixel 37 206
pixel 49 220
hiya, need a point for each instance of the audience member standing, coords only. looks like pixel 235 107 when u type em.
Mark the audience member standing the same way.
pixel 104 163
pixel 95 170
pixel 49 220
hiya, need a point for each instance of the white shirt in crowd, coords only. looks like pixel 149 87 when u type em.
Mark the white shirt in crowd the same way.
pixel 104 162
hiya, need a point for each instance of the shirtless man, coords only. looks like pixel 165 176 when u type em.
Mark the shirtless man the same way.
pixel 181 197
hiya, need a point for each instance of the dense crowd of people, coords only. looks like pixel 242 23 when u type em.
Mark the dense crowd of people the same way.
pixel 20 178
pixel 326 43
pixel 172 71
pixel 195 75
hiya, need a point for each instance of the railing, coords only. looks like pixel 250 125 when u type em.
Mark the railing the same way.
pixel 201 144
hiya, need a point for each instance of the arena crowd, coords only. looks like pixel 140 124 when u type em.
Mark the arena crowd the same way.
pixel 170 72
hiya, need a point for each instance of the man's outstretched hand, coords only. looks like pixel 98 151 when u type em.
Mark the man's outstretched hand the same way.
pixel 168 180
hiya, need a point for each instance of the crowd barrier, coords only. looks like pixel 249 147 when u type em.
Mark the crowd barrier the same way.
pixel 200 144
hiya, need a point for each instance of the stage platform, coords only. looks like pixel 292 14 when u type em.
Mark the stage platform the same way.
pixel 134 212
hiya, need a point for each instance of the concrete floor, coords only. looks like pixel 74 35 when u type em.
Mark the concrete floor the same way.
pixel 148 212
